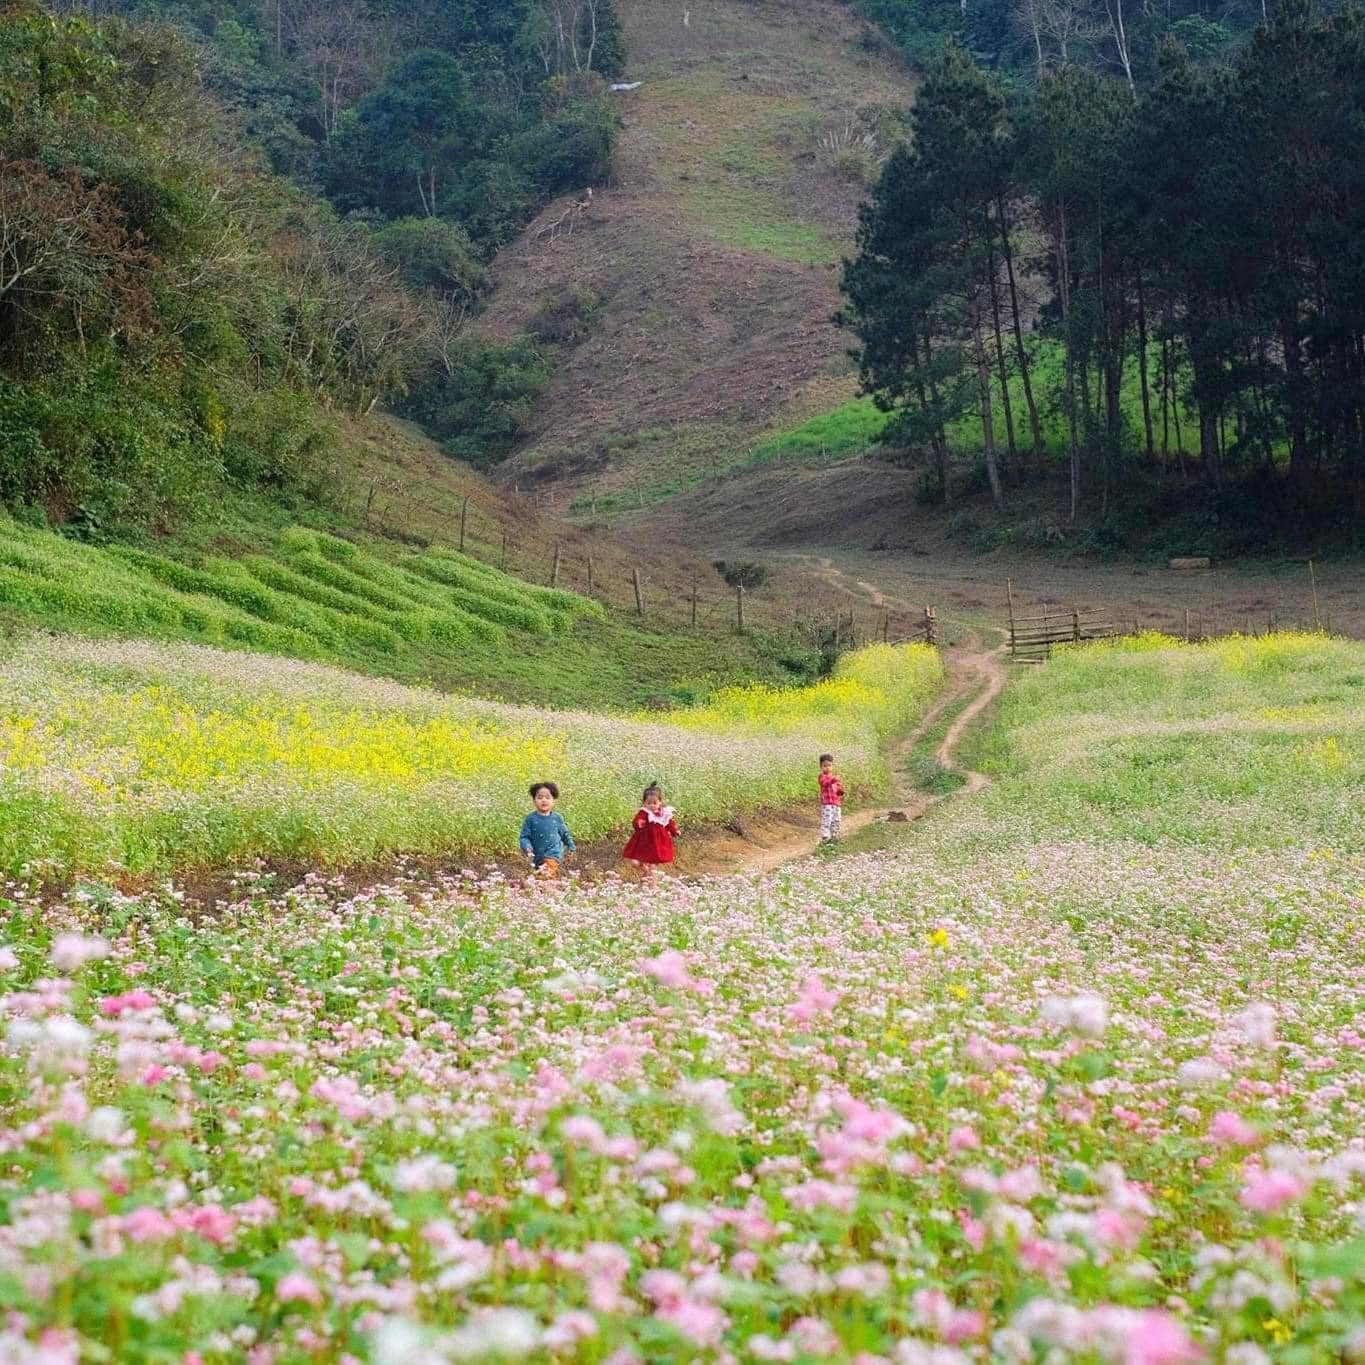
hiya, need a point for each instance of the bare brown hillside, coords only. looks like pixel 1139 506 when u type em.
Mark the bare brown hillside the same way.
pixel 708 269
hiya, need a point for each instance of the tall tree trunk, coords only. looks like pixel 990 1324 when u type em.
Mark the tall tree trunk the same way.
pixel 936 437
pixel 1165 408
pixel 983 380
pixel 1142 368
pixel 1293 368
pixel 1021 354
pixel 940 437
pixel 1064 299
pixel 1000 360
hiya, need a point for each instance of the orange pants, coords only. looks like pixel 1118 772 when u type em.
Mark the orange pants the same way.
pixel 548 870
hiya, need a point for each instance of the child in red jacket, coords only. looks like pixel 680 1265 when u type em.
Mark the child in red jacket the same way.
pixel 651 844
pixel 831 799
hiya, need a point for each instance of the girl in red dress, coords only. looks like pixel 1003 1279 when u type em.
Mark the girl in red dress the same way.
pixel 651 844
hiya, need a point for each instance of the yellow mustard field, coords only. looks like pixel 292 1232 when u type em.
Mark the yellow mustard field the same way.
pixel 152 757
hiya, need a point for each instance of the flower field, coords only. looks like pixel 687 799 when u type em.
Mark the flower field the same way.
pixel 317 597
pixel 151 757
pixel 1016 1091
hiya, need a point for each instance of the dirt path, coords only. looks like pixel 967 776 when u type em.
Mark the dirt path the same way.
pixel 974 671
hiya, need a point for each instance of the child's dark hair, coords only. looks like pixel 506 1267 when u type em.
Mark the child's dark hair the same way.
pixel 544 786
pixel 826 758
pixel 654 789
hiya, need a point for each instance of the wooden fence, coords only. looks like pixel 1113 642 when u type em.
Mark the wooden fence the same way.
pixel 1032 637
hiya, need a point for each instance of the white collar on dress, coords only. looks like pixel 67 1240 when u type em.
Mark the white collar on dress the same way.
pixel 662 818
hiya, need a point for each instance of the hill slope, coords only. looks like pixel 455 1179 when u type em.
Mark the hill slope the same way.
pixel 703 281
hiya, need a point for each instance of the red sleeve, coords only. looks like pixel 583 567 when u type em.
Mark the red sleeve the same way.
pixel 839 789
pixel 673 828
pixel 641 820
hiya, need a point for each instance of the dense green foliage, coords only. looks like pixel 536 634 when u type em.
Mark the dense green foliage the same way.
pixel 174 319
pixel 1029 38
pixel 1198 264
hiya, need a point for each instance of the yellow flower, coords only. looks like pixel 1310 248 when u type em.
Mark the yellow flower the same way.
pixel 959 991
pixel 1279 1333
pixel 939 938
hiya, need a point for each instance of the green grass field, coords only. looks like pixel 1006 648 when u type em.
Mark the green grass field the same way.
pixel 1241 743
pixel 433 617
pixel 857 425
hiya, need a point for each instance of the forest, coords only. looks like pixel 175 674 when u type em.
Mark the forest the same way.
pixel 1044 250
pixel 218 221
pixel 1025 39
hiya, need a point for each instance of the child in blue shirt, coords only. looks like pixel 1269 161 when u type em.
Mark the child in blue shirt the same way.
pixel 545 838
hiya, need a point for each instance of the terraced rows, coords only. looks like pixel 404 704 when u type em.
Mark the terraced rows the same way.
pixel 317 596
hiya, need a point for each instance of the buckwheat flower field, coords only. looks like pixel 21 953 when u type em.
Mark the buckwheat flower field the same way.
pixel 1012 1090
pixel 147 757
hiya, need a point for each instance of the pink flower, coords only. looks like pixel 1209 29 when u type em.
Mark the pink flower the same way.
pixel 697 1320
pixel 816 998
pixel 130 1000
pixel 8 959
pixel 972 1229
pixel 1267 1191
pixel 146 1224
pixel 72 951
pixel 963 1140
pixel 208 1220
pixel 1155 1338
pixel 298 1288
pixel 670 969
pixel 1232 1130
pixel 582 1131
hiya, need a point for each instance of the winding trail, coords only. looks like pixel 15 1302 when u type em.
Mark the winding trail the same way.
pixel 974 671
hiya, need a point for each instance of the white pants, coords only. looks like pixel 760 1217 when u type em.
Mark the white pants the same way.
pixel 829 821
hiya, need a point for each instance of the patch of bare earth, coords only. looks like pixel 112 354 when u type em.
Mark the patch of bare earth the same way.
pixel 713 257
pixel 858 530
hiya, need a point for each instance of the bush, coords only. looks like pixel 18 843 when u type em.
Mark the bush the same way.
pixel 483 407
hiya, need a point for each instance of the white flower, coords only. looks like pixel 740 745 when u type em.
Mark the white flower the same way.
pixel 494 1331
pixel 1257 1024
pixel 398 1342
pixel 423 1173
pixel 1086 1014
pixel 105 1124
pixel 1198 1072
pixel 72 951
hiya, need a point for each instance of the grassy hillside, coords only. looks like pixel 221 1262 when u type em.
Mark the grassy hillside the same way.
pixel 703 278
pixel 160 758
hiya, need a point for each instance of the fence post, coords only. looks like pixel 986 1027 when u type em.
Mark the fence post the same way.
pixel 464 518
pixel 852 631
pixel 930 626
pixel 1187 625
pixel 589 575
pixel 1075 624
pixel 554 569
pixel 886 627
pixel 739 605
pixel 639 598
pixel 1009 595
pixel 1317 614
pixel 838 628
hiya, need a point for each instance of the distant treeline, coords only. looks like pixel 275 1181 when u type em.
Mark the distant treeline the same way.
pixel 218 219
pixel 1202 235
pixel 1025 39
